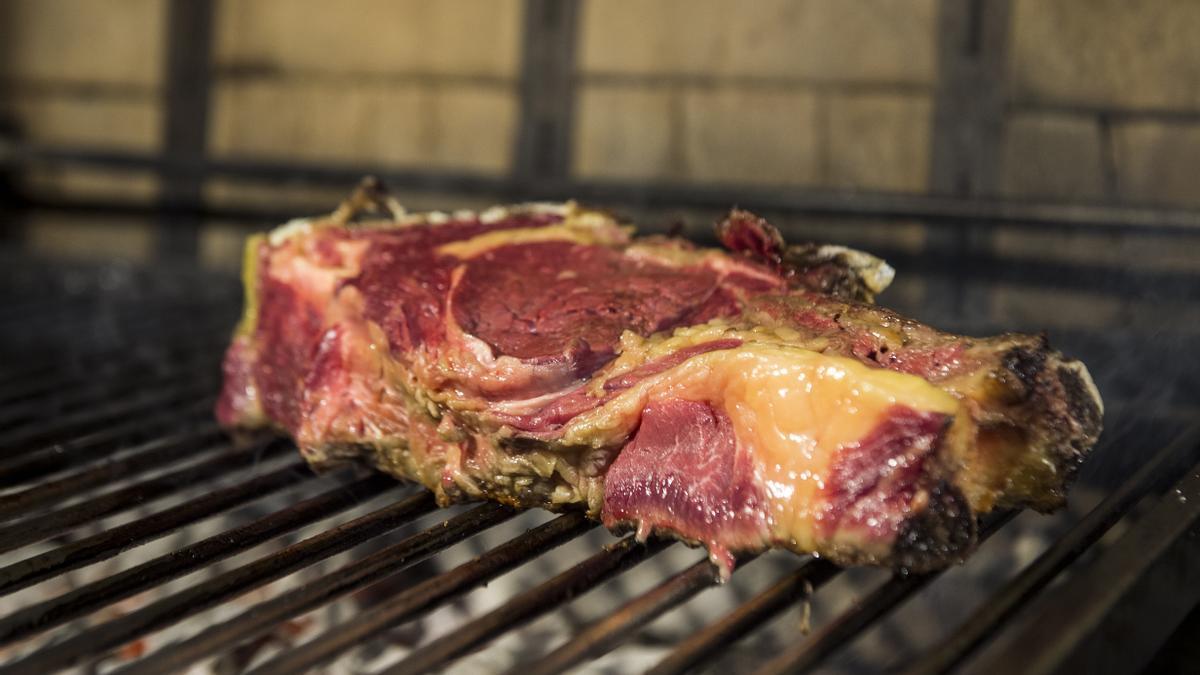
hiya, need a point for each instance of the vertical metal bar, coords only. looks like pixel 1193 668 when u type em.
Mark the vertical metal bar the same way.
pixel 543 146
pixel 968 132
pixel 188 78
pixel 12 227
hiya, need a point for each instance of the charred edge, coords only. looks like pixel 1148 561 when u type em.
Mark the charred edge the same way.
pixel 1079 431
pixel 1061 410
pixel 372 198
pixel 944 532
pixel 807 267
pixel 1027 365
pixel 1082 402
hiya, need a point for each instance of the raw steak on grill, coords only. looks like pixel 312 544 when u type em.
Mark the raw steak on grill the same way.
pixel 740 399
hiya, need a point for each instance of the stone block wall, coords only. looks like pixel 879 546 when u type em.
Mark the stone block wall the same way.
pixel 1101 99
pixel 1105 100
pixel 809 93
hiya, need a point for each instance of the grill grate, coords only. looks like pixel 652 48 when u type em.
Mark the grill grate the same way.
pixel 108 444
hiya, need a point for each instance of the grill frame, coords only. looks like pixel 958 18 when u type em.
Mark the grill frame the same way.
pixel 100 434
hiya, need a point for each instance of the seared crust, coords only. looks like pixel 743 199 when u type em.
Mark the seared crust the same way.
pixel 944 532
pixel 1059 407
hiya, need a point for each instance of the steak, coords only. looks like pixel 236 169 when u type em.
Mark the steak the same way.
pixel 739 399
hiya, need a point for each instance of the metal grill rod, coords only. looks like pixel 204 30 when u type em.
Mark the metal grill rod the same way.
pixel 47 525
pixel 66 357
pixel 783 594
pixel 19 375
pixel 803 656
pixel 170 610
pixel 94 596
pixel 17 311
pixel 1153 476
pixel 111 309
pixel 120 365
pixel 951 212
pixel 429 594
pixel 807 654
pixel 109 333
pixel 527 606
pixel 265 616
pixel 144 457
pixel 108 544
pixel 96 445
pixel 130 383
pixel 55 401
pixel 28 439
pixel 602 636
pixel 1139 588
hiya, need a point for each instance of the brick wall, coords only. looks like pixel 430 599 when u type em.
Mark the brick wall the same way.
pixel 412 83
pixel 811 93
pixel 1106 99
pixel 82 73
pixel 1101 98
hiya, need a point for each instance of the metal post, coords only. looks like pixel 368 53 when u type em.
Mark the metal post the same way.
pixel 543 146
pixel 968 135
pixel 188 79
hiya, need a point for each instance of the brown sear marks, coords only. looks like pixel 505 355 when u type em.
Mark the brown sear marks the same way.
pixel 945 530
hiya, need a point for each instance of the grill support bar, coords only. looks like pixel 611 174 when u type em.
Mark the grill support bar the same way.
pixel 46 525
pixel 810 653
pixel 53 403
pixel 142 458
pixel 29 439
